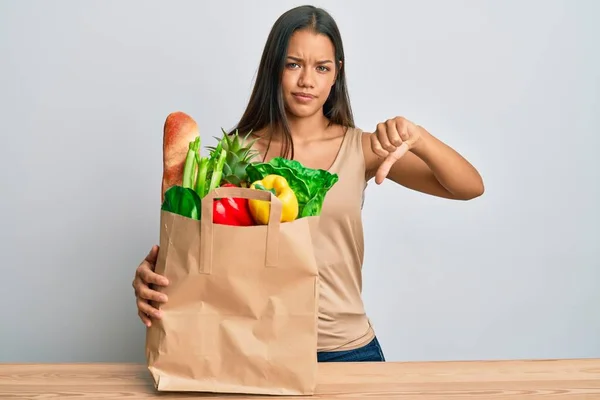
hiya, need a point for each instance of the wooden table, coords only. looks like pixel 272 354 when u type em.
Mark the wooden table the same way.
pixel 492 380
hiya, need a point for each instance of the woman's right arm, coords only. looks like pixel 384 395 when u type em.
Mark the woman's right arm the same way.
pixel 144 276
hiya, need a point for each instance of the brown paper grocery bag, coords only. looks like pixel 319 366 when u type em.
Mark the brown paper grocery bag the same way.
pixel 242 309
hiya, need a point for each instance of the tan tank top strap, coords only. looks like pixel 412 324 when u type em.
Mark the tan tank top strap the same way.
pixel 356 142
pixel 354 150
pixel 352 145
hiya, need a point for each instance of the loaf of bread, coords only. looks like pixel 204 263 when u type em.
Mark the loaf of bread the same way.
pixel 179 130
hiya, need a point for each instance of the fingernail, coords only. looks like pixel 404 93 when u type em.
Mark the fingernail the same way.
pixel 164 297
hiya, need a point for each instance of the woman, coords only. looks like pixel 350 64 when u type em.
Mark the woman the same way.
pixel 299 108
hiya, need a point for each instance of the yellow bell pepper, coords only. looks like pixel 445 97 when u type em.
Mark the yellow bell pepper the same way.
pixel 277 184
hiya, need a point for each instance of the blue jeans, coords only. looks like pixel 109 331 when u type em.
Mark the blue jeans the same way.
pixel 370 352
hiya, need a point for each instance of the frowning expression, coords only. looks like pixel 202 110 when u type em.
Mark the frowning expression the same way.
pixel 309 73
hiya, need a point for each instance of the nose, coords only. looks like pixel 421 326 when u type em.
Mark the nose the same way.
pixel 306 78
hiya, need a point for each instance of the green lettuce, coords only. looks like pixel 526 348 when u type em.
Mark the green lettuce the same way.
pixel 309 185
pixel 183 201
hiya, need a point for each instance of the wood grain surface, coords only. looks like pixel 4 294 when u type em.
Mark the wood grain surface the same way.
pixel 492 380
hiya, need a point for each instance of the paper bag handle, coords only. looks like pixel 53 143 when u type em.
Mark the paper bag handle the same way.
pixel 206 223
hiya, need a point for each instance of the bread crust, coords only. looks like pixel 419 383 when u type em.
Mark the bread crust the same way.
pixel 178 131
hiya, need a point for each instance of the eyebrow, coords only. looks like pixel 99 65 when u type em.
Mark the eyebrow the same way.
pixel 318 62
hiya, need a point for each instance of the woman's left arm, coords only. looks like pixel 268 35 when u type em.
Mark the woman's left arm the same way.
pixel 409 155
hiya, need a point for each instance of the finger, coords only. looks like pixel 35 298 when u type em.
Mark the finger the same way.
pixel 376 146
pixel 136 283
pixel 151 277
pixel 387 164
pixel 152 255
pixel 148 294
pixel 393 135
pixel 145 319
pixel 382 135
pixel 148 309
pixel 402 128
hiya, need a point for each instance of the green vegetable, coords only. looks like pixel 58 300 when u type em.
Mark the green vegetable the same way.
pixel 217 169
pixel 183 201
pixel 210 170
pixel 191 163
pixel 202 174
pixel 309 185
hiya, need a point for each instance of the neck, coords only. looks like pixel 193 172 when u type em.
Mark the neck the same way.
pixel 307 129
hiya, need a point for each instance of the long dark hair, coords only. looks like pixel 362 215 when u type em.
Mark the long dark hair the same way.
pixel 266 106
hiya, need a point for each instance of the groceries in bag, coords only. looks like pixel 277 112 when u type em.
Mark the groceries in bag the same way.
pixel 242 321
pixel 231 163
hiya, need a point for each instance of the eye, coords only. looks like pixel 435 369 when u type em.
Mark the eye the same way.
pixel 292 65
pixel 323 68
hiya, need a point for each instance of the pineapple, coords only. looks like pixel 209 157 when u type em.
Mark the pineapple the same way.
pixel 239 155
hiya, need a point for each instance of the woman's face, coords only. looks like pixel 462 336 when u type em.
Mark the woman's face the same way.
pixel 309 73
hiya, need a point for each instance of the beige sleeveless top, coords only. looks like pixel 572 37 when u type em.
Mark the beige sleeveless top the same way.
pixel 342 322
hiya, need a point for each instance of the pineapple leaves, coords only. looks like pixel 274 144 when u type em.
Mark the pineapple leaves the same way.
pixel 238 155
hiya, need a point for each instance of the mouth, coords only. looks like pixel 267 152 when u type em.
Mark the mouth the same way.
pixel 302 95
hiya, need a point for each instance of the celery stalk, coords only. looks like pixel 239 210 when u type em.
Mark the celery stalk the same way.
pixel 202 171
pixel 217 173
pixel 190 163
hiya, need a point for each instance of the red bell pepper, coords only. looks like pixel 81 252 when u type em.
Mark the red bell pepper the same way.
pixel 232 211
